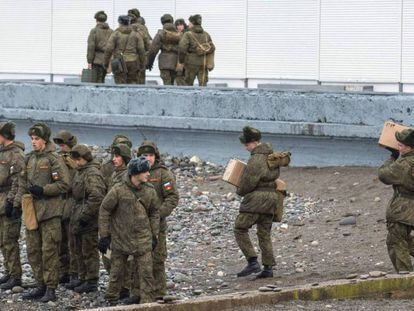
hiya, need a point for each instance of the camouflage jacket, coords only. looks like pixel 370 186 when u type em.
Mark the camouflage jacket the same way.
pixel 189 43
pixel 400 174
pixel 130 216
pixel 11 165
pixel 107 169
pixel 97 39
pixel 88 190
pixel 46 169
pixel 143 32
pixel 118 176
pixel 257 184
pixel 69 202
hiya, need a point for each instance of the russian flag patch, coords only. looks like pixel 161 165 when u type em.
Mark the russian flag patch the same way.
pixel 168 186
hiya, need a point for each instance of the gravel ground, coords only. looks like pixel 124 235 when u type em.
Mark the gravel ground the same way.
pixel 310 245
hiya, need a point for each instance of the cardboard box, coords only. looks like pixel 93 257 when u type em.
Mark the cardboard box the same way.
pixel 387 138
pixel 234 171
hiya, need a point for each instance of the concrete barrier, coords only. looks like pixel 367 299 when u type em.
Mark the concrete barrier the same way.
pixel 337 114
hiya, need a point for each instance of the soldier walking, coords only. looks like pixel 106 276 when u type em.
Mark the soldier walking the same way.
pixel 164 183
pixel 181 27
pixel 11 163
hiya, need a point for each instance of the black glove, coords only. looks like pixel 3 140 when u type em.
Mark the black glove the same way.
pixel 149 67
pixel 154 243
pixel 103 244
pixel 8 207
pixel 394 153
pixel 37 191
pixel 16 213
pixel 83 223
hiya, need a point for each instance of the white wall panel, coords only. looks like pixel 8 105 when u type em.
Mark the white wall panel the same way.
pixel 225 21
pixel 282 39
pixel 72 21
pixel 408 42
pixel 25 39
pixel 360 40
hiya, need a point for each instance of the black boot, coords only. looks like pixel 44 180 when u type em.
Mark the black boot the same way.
pixel 36 293
pixel 12 282
pixel 252 267
pixel 4 278
pixel 87 287
pixel 64 279
pixel 266 273
pixel 74 282
pixel 124 293
pixel 50 295
pixel 131 301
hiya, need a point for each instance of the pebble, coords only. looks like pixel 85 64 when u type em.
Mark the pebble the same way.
pixel 377 199
pixel 51 304
pixel 348 221
pixel 351 276
pixel 314 243
pixel 197 292
pixel 169 298
pixel 364 276
pixel 17 289
pixel 220 274
pixel 299 270
pixel 377 274
pixel 265 289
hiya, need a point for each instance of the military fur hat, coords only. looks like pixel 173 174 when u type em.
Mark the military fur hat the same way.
pixel 123 151
pixel 148 147
pixel 180 21
pixel 65 138
pixel 8 130
pixel 141 20
pixel 406 137
pixel 138 166
pixel 121 139
pixel 124 20
pixel 81 151
pixel 167 18
pixel 41 130
pixel 195 19
pixel 101 16
pixel 250 134
pixel 134 12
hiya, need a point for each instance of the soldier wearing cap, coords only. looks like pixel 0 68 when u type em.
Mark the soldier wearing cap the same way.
pixel 88 190
pixel 11 165
pixel 130 232
pixel 398 171
pixel 68 263
pixel 181 27
pixel 46 178
pixel 164 183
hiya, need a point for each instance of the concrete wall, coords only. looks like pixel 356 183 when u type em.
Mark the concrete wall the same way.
pixel 337 114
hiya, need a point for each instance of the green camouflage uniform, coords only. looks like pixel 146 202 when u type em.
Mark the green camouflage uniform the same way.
pixel 45 169
pixel 400 211
pixel 11 165
pixel 88 190
pixel 257 187
pixel 132 231
pixel 97 39
pixel 143 32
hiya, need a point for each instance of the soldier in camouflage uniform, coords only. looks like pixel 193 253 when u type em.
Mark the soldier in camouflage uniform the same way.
pixel 129 43
pixel 11 165
pixel 130 232
pixel 122 154
pixel 166 40
pixel 68 265
pixel 398 171
pixel 88 190
pixel 257 187
pixel 194 47
pixel 46 178
pixel 96 45
pixel 181 27
pixel 164 183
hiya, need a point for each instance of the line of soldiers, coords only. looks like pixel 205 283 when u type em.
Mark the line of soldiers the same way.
pixel 83 206
pixel 187 52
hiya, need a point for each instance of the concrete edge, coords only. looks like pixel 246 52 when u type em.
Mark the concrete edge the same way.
pixel 210 124
pixel 389 286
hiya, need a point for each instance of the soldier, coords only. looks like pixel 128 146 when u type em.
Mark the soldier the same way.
pixel 126 44
pixel 11 163
pixel 164 183
pixel 257 187
pixel 130 231
pixel 194 47
pixel 180 25
pixel 142 30
pixel 68 264
pixel 122 155
pixel 46 178
pixel 88 190
pixel 96 45
pixel 398 172
pixel 166 40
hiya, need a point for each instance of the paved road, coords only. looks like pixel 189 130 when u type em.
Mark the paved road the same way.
pixel 219 147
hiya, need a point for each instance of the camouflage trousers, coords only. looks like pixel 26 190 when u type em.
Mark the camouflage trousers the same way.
pixel 400 246
pixel 160 255
pixel 131 77
pixel 168 76
pixel 141 76
pixel 43 251
pixel 142 281
pixel 127 274
pixel 9 245
pixel 100 72
pixel 199 72
pixel 244 222
pixel 87 255
pixel 67 252
pixel 180 78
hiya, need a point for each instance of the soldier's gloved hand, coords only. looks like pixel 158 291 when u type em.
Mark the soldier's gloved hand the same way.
pixel 37 191
pixel 154 243
pixel 16 213
pixel 394 153
pixel 8 207
pixel 103 244
pixel 149 67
